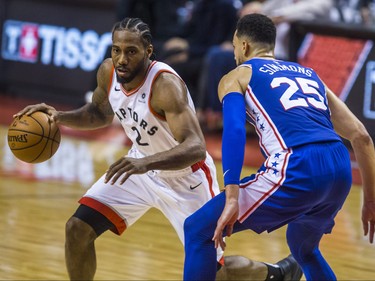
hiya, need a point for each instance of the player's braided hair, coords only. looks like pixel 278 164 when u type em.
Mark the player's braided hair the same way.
pixel 134 25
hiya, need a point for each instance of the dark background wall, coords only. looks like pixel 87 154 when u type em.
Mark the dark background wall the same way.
pixel 344 57
pixel 50 50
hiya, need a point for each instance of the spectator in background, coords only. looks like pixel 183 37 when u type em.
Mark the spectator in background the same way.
pixel 354 11
pixel 219 59
pixel 186 52
pixel 367 11
pixel 283 12
pixel 165 18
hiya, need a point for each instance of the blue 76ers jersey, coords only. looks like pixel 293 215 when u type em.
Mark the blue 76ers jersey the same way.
pixel 287 105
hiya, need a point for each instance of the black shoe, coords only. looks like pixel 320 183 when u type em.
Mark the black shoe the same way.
pixel 290 269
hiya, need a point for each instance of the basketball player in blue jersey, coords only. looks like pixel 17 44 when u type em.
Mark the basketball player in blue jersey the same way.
pixel 306 176
pixel 167 166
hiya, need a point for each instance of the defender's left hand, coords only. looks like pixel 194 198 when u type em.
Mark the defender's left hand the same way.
pixel 227 219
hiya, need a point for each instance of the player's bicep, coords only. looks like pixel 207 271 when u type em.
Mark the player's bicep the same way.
pixel 345 123
pixel 170 98
pixel 183 122
pixel 184 125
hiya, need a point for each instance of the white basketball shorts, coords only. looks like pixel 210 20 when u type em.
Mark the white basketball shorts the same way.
pixel 177 194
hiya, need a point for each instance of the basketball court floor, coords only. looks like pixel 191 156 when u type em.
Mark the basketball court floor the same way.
pixel 37 200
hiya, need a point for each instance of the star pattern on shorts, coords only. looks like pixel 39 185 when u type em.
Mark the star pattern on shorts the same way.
pixel 275 163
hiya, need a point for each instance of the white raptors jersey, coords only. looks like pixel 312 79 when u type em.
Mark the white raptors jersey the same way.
pixel 148 131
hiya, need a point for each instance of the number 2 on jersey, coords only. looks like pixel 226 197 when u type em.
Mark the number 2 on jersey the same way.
pixel 303 85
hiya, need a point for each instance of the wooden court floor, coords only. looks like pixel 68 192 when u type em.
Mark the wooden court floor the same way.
pixel 33 213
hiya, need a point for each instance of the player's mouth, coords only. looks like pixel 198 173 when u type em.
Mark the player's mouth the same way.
pixel 122 71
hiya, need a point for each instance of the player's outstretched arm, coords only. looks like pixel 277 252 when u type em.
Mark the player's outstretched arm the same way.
pixel 231 90
pixel 93 115
pixel 96 114
pixel 349 127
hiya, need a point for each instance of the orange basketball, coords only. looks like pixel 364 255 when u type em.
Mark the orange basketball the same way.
pixel 33 138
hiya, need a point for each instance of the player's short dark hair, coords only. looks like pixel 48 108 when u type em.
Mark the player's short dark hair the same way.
pixel 259 28
pixel 135 25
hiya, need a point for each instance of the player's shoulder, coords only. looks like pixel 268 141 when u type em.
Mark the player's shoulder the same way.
pixel 166 76
pixel 162 69
pixel 167 88
pixel 106 66
pixel 243 69
pixel 238 76
pixel 105 73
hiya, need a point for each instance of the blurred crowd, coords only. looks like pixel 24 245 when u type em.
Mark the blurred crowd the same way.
pixel 195 36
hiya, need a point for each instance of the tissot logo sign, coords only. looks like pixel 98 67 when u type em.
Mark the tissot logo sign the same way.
pixel 53 45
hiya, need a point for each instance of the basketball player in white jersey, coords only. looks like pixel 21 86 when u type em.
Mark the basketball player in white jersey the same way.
pixel 167 166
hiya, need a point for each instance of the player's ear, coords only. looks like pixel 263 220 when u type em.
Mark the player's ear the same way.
pixel 246 48
pixel 149 50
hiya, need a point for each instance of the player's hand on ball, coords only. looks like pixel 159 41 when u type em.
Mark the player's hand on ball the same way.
pixel 125 167
pixel 30 109
pixel 33 138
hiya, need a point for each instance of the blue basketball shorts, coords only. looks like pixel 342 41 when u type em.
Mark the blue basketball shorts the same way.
pixel 306 184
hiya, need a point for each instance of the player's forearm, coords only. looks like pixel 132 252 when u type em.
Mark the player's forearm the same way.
pixel 234 137
pixel 84 118
pixel 363 148
pixel 179 157
pixel 231 192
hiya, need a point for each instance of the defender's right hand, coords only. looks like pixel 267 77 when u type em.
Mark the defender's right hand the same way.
pixel 368 219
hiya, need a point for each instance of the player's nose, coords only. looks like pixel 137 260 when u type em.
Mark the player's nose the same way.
pixel 123 59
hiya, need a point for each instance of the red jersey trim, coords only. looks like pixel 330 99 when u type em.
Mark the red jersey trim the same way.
pixel 275 133
pixel 157 115
pixel 202 165
pixel 269 192
pixel 110 84
pixel 106 211
pixel 128 94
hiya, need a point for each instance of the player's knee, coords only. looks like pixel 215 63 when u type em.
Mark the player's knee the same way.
pixel 92 219
pixel 303 243
pixel 195 230
pixel 77 231
pixel 189 227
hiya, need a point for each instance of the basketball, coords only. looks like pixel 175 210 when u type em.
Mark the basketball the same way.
pixel 33 138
